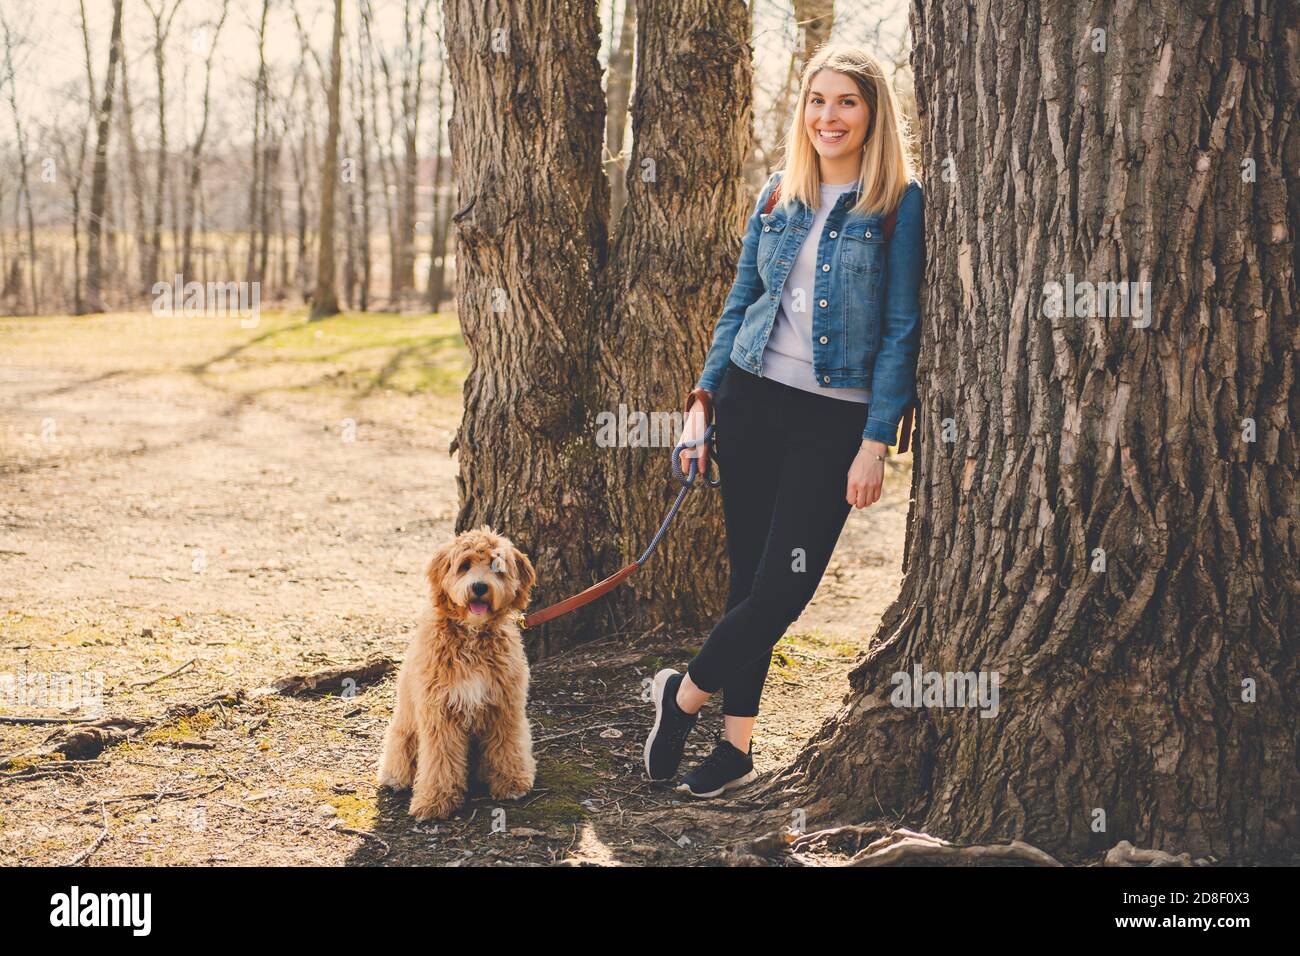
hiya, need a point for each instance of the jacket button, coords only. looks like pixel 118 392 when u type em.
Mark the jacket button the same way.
pixel 824 340
pixel 833 233
pixel 822 303
pixel 826 267
pixel 826 378
pixel 867 234
pixel 767 228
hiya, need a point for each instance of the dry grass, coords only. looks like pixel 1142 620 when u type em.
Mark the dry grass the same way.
pixel 133 446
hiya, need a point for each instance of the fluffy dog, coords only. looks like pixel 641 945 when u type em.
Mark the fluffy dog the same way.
pixel 464 679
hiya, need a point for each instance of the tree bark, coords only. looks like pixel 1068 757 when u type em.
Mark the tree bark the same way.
pixel 1046 438
pixel 525 132
pixel 672 264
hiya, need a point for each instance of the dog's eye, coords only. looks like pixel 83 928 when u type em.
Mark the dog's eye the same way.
pixel 464 566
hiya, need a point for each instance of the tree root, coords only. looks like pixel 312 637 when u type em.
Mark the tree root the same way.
pixel 896 847
pixel 1124 853
pixel 339 680
pixel 846 839
pixel 908 848
pixel 88 740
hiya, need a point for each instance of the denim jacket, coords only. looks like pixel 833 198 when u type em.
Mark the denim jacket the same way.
pixel 866 317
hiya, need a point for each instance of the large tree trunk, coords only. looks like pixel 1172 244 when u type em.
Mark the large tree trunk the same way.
pixel 1126 672
pixel 673 261
pixel 525 132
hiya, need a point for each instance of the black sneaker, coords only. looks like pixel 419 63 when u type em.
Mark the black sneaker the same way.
pixel 667 740
pixel 720 771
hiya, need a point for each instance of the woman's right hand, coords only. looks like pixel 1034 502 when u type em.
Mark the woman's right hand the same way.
pixel 692 429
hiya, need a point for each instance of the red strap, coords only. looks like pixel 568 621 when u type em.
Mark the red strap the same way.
pixel 771 199
pixel 598 589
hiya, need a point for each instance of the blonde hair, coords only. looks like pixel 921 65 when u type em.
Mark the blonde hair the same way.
pixel 886 167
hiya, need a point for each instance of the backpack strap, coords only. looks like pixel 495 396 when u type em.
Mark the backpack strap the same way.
pixel 888 224
pixel 772 199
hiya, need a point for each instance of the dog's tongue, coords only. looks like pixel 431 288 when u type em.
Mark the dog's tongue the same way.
pixel 478 607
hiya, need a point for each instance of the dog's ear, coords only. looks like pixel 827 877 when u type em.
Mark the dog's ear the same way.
pixel 527 578
pixel 439 568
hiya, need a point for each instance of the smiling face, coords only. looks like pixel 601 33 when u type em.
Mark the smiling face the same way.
pixel 480 576
pixel 836 117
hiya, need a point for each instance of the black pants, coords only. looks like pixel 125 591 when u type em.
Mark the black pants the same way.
pixel 784 457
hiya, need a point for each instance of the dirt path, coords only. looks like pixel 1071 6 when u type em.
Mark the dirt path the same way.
pixel 239 505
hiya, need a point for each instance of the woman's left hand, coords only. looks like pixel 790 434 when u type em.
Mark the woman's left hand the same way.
pixel 866 475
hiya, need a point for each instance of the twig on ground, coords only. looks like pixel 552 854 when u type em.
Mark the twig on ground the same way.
pixel 364 833
pixel 150 683
pixel 99 840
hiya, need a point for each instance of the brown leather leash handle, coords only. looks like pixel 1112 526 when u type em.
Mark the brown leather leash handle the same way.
pixel 599 589
pixel 706 401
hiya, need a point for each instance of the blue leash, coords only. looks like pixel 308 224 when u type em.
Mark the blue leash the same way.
pixel 687 481
pixel 601 588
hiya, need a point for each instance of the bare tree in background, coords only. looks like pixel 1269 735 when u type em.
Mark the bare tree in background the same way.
pixel 162 25
pixel 261 86
pixel 618 92
pixel 815 19
pixel 20 142
pixel 414 36
pixel 360 101
pixel 325 301
pixel 195 158
pixel 135 170
pixel 99 176
pixel 73 159
pixel 440 214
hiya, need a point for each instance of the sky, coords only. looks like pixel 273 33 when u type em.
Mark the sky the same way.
pixel 51 83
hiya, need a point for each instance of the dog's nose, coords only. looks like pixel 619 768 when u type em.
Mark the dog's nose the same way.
pixel 479 588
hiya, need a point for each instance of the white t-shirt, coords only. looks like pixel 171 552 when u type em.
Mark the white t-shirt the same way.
pixel 788 357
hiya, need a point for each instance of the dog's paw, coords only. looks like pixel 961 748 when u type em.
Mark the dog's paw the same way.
pixel 436 807
pixel 393 781
pixel 509 788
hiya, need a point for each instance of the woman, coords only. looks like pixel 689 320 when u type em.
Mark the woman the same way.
pixel 812 366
